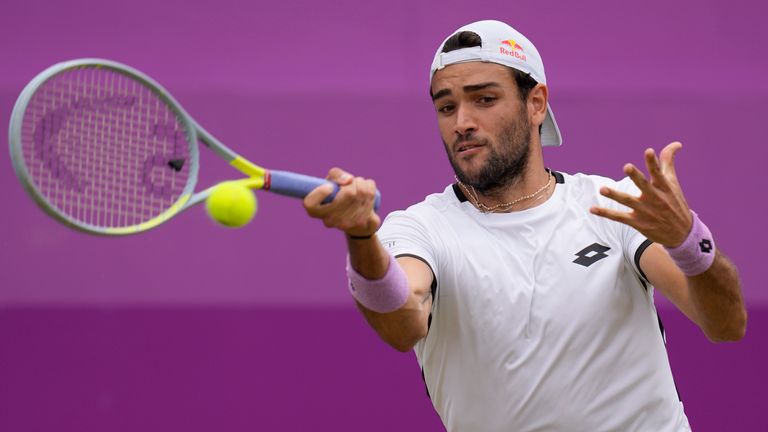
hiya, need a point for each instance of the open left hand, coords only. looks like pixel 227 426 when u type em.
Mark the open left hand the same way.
pixel 660 212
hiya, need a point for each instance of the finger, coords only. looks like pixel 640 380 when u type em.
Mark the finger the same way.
pixel 615 215
pixel 637 176
pixel 349 203
pixel 370 190
pixel 368 219
pixel 654 170
pixel 314 199
pixel 364 198
pixel 620 197
pixel 667 157
pixel 339 176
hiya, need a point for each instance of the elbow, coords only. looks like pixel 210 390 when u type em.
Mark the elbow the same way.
pixel 401 329
pixel 406 342
pixel 734 332
pixel 403 347
pixel 726 337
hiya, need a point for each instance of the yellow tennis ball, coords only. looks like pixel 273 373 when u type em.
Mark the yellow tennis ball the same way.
pixel 231 204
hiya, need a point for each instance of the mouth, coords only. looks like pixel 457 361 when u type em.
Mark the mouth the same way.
pixel 466 147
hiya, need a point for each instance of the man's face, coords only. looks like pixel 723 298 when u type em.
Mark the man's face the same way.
pixel 483 123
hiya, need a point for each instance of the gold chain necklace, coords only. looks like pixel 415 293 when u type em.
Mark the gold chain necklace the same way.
pixel 469 190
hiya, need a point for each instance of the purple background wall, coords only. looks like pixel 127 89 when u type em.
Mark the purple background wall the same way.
pixel 193 327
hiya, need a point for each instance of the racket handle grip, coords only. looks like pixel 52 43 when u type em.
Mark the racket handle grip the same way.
pixel 299 185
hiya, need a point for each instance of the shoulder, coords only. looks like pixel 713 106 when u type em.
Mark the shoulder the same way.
pixel 429 210
pixel 588 185
pixel 588 181
pixel 419 230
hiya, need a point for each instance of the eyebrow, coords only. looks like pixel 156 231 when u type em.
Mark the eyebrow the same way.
pixel 467 89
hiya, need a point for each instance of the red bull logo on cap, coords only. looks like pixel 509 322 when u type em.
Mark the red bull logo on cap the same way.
pixel 512 44
pixel 511 48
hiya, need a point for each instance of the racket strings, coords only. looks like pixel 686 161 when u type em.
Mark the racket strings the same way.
pixel 104 149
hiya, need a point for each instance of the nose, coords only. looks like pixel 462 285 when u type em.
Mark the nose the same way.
pixel 465 121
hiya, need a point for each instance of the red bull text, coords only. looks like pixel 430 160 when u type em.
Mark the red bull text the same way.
pixel 515 50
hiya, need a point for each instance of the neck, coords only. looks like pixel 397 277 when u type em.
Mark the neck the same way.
pixel 529 190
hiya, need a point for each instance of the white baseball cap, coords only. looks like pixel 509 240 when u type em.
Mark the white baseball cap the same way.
pixel 506 46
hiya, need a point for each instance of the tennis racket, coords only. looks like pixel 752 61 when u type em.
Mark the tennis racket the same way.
pixel 105 149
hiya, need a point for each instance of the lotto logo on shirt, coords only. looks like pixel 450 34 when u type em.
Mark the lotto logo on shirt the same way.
pixel 511 48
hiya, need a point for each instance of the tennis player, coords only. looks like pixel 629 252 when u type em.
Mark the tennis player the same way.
pixel 527 293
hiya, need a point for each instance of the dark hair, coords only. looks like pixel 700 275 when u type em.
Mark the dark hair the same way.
pixel 468 39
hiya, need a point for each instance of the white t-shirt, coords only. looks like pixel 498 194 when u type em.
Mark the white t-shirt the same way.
pixel 541 319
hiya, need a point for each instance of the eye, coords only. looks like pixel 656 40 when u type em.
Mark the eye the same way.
pixel 486 100
pixel 445 109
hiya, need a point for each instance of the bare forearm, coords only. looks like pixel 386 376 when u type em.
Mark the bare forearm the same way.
pixel 368 257
pixel 716 296
pixel 399 289
pixel 712 298
pixel 403 327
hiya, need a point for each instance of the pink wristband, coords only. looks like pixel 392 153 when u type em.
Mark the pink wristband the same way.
pixel 380 295
pixel 696 254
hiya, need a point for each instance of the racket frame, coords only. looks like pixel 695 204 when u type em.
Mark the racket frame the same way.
pixel 193 132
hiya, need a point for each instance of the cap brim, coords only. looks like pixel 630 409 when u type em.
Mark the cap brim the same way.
pixel 550 133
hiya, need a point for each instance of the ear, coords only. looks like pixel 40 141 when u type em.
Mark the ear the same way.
pixel 537 104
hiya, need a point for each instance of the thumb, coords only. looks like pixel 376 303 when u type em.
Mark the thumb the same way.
pixel 315 198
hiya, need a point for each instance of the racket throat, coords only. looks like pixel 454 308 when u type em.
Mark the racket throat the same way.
pixel 267 180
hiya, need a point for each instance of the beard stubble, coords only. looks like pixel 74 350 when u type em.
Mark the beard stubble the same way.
pixel 505 165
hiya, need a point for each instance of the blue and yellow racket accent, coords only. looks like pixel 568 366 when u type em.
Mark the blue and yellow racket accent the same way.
pixel 152 223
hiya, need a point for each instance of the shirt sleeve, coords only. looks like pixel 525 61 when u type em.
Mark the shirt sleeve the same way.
pixel 633 242
pixel 404 234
